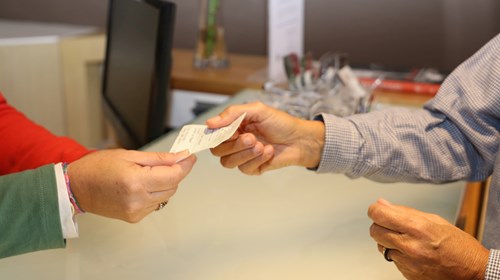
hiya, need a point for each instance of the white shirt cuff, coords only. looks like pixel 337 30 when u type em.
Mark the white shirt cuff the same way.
pixel 68 221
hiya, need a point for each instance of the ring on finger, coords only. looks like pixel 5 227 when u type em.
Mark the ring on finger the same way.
pixel 161 205
pixel 385 252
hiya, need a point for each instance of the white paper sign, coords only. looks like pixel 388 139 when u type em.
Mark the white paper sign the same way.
pixel 286 34
pixel 197 137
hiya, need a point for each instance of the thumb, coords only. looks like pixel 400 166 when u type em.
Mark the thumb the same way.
pixel 226 117
pixel 159 158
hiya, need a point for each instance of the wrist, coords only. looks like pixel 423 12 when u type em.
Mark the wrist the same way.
pixel 75 206
pixel 480 262
pixel 312 143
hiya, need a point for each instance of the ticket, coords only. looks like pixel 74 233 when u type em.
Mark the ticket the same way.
pixel 196 138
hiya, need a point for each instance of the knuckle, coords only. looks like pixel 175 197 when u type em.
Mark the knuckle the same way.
pixel 128 183
pixel 132 210
pixel 132 187
pixel 374 212
pixel 419 226
pixel 129 210
pixel 160 156
pixel 134 219
pixel 248 171
pixel 259 105
pixel 437 219
pixel 422 251
pixel 414 250
pixel 370 211
pixel 373 230
pixel 231 110
pixel 226 162
pixel 175 178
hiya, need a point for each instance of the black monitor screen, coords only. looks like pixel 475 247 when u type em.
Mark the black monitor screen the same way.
pixel 137 71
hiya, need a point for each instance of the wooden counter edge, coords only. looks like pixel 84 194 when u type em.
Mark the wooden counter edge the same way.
pixel 470 213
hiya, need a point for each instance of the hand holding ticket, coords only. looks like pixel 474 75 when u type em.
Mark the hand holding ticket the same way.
pixel 196 138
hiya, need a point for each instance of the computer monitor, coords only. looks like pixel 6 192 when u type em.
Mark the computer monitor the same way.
pixel 136 78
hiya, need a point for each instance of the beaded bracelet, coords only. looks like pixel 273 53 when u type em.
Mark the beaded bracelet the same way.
pixel 72 199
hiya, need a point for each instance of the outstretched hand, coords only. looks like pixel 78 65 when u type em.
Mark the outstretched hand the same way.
pixel 268 139
pixel 426 246
pixel 126 185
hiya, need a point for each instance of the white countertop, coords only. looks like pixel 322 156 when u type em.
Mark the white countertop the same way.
pixel 223 225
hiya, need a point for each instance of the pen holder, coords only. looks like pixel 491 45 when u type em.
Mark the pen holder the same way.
pixel 341 101
pixel 211 45
pixel 327 86
pixel 306 103
pixel 293 101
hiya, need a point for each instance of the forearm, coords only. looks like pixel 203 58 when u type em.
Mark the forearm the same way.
pixel 393 146
pixel 454 137
pixel 29 214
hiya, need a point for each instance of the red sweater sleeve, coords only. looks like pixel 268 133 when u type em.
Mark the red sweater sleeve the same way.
pixel 26 145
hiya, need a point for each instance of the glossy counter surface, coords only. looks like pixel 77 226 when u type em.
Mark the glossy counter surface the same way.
pixel 223 225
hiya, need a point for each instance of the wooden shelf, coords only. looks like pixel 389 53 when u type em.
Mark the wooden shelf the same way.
pixel 245 71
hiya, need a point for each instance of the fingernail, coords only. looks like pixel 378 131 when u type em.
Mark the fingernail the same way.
pixel 182 153
pixel 215 119
pixel 385 202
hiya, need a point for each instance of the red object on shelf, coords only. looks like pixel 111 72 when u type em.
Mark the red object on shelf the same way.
pixel 402 86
